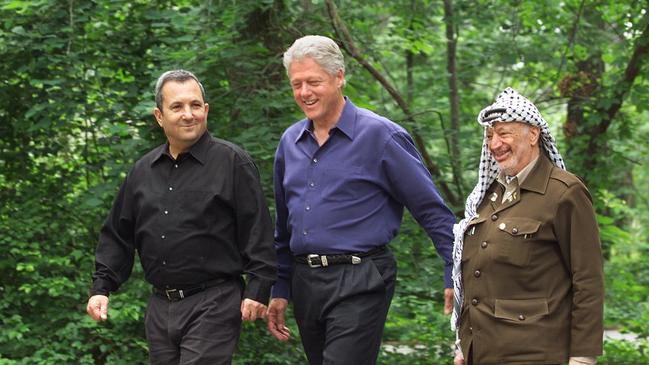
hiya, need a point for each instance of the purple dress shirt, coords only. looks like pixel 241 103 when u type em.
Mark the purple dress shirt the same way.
pixel 348 194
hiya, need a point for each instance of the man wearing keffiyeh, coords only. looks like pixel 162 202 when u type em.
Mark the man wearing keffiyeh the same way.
pixel 527 267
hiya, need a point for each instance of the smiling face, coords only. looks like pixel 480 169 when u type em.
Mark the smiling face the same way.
pixel 513 145
pixel 317 92
pixel 183 116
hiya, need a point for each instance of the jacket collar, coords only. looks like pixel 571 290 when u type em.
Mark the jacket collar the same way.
pixel 538 178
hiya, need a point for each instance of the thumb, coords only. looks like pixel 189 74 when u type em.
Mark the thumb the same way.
pixel 103 309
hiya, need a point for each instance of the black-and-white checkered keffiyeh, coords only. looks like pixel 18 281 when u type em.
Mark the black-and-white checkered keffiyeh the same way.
pixel 510 106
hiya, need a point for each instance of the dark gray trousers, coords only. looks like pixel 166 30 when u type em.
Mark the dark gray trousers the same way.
pixel 341 309
pixel 200 329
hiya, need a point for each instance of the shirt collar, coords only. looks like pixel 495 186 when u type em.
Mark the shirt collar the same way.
pixel 521 176
pixel 198 150
pixel 346 123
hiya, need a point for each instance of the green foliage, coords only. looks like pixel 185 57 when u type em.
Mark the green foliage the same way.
pixel 75 113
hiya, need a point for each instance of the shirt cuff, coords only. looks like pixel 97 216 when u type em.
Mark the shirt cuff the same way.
pixel 100 287
pixel 448 281
pixel 258 290
pixel 583 360
pixel 281 289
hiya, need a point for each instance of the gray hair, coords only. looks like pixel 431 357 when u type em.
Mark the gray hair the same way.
pixel 322 50
pixel 177 76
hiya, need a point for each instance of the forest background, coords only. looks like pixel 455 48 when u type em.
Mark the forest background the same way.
pixel 76 95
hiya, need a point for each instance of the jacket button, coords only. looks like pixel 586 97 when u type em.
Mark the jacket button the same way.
pixel 521 317
pixel 514 230
pixel 475 301
pixel 494 217
pixel 477 273
pixel 484 244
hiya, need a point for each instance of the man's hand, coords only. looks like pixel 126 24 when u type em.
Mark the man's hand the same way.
pixel 582 361
pixel 459 358
pixel 98 307
pixel 448 300
pixel 276 321
pixel 252 310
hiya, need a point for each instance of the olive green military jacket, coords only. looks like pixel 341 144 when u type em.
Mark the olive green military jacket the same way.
pixel 532 273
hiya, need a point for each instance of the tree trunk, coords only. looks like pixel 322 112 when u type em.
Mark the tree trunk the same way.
pixel 454 99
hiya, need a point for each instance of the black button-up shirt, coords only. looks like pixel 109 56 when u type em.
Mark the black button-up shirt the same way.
pixel 192 219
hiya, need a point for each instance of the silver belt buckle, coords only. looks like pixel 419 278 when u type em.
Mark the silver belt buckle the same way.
pixel 314 256
pixel 180 293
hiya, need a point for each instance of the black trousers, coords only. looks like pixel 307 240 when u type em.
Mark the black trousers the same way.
pixel 200 329
pixel 341 309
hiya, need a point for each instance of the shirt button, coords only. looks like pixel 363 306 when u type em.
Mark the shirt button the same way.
pixel 484 244
pixel 514 230
pixel 494 217
pixel 163 236
pixel 305 232
pixel 166 212
pixel 308 207
pixel 170 188
pixel 164 263
pixel 176 165
pixel 311 184
pixel 477 273
pixel 521 317
pixel 502 226
pixel 475 301
pixel 315 160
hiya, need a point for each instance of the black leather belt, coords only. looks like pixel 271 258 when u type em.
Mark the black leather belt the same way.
pixel 177 294
pixel 316 260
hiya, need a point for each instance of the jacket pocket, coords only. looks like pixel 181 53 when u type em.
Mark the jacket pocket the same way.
pixel 515 240
pixel 520 310
pixel 471 229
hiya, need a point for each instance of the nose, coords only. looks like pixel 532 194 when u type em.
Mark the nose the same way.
pixel 304 90
pixel 495 142
pixel 187 112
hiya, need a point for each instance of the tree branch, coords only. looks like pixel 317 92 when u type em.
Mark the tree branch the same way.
pixel 640 52
pixel 349 46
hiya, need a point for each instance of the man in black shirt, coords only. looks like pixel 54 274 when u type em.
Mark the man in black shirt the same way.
pixel 194 211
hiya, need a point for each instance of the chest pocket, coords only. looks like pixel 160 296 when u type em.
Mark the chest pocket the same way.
pixel 472 229
pixel 515 240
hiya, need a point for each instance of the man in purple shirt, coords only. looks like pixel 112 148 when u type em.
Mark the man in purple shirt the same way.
pixel 342 178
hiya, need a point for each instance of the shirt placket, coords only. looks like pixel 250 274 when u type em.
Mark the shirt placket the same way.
pixel 168 209
pixel 311 189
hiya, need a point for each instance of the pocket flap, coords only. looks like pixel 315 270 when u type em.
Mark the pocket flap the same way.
pixel 520 309
pixel 519 226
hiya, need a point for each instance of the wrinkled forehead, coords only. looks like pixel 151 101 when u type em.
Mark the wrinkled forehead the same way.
pixel 497 126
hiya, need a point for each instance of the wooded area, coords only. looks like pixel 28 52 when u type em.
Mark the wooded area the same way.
pixel 76 97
